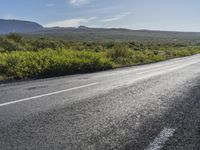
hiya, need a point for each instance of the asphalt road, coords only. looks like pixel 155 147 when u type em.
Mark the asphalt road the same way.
pixel 147 107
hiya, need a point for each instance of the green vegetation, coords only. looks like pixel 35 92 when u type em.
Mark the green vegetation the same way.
pixel 30 64
pixel 29 57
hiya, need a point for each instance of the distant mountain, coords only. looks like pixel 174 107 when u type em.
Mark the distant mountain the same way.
pixel 8 26
pixel 83 33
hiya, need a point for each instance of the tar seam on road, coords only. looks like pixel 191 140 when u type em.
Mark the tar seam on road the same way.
pixel 47 94
pixel 161 139
pixel 168 70
pixel 146 68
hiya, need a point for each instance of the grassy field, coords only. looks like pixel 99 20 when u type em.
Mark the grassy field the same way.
pixel 24 58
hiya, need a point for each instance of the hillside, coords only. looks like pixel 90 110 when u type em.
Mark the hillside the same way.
pixel 83 33
pixel 116 34
pixel 8 26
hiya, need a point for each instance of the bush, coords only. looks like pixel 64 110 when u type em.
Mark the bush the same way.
pixel 15 37
pixel 49 63
pixel 43 43
pixel 9 45
pixel 30 57
pixel 118 50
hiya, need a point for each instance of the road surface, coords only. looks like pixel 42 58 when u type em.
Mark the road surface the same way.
pixel 147 107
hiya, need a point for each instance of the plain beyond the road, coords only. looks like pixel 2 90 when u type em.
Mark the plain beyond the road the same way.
pixel 154 106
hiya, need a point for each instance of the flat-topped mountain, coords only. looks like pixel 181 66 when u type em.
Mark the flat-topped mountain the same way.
pixel 8 26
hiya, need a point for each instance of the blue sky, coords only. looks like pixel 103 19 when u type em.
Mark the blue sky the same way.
pixel 173 15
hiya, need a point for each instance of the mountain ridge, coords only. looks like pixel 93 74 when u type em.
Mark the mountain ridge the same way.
pixel 19 26
pixel 83 33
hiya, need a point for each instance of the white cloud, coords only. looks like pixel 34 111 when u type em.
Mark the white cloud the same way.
pixel 79 2
pixel 70 22
pixel 50 5
pixel 91 18
pixel 9 16
pixel 117 17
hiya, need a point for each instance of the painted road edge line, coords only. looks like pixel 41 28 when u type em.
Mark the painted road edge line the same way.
pixel 161 139
pixel 47 94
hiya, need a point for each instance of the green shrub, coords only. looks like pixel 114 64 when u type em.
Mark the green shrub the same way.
pixel 15 37
pixel 48 63
pixel 30 57
pixel 9 45
pixel 118 50
pixel 43 43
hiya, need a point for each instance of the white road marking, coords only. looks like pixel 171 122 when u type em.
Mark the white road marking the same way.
pixel 47 94
pixel 161 139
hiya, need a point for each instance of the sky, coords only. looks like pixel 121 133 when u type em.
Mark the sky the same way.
pixel 170 15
